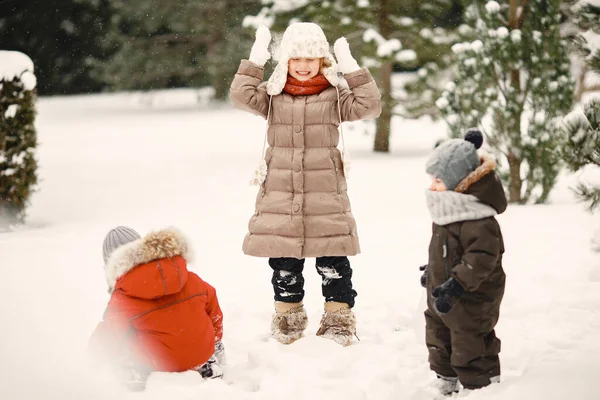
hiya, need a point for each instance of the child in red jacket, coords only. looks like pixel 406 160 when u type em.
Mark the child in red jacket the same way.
pixel 160 316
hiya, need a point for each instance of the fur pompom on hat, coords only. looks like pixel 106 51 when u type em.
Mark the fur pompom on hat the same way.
pixel 301 39
pixel 454 159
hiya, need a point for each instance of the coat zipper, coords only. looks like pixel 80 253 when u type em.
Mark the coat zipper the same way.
pixel 445 256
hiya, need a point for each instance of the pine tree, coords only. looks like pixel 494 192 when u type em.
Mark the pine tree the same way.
pixel 185 43
pixel 581 128
pixel 382 34
pixel 513 80
pixel 581 147
pixel 585 18
pixel 64 38
pixel 17 137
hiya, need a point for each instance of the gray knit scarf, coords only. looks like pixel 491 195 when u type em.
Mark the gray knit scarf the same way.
pixel 448 207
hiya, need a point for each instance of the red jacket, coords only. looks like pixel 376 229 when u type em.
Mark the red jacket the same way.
pixel 160 315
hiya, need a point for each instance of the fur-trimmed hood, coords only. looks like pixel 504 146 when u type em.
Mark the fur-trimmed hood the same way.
pixel 164 244
pixel 485 184
pixel 302 39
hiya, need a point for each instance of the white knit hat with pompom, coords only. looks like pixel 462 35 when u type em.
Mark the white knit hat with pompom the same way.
pixel 301 39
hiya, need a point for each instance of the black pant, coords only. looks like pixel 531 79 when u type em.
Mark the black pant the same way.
pixel 288 282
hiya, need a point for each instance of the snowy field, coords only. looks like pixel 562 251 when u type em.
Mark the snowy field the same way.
pixel 124 160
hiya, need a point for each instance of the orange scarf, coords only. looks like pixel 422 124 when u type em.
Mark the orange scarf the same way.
pixel 314 85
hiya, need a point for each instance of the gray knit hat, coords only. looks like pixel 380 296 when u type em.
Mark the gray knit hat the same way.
pixel 454 159
pixel 116 238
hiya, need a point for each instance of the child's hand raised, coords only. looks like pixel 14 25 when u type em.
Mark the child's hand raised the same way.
pixel 260 49
pixel 346 62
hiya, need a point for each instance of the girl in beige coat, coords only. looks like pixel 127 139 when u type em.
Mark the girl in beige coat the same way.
pixel 302 208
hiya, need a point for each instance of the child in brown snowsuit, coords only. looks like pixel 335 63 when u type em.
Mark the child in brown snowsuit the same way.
pixel 464 277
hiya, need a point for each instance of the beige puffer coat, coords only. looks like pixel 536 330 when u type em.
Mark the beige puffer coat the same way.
pixel 302 208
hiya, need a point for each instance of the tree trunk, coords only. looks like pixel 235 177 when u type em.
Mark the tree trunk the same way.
pixel 514 128
pixel 513 19
pixel 215 52
pixel 515 185
pixel 580 89
pixel 384 122
pixel 514 156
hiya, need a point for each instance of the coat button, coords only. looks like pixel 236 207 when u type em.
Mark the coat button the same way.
pixel 297 168
pixel 297 128
pixel 296 208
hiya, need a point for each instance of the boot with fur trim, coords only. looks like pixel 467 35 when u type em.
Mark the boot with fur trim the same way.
pixel 338 323
pixel 289 322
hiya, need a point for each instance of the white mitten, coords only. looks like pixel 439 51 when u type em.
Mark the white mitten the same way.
pixel 260 174
pixel 260 49
pixel 346 62
pixel 346 163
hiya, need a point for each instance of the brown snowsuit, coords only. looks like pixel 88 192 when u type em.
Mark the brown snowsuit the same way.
pixel 462 342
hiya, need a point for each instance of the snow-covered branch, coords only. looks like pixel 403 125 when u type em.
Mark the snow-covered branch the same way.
pixel 14 64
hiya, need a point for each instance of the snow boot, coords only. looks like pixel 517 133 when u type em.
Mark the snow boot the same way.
pixel 338 323
pixel 135 379
pixel 465 391
pixel 447 384
pixel 211 369
pixel 289 322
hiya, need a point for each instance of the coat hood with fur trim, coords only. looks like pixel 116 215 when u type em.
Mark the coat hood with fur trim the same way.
pixel 302 39
pixel 157 260
pixel 485 184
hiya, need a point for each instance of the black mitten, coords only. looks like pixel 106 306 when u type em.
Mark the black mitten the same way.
pixel 446 294
pixel 424 276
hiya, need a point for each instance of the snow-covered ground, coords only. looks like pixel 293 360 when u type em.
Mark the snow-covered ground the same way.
pixel 122 160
